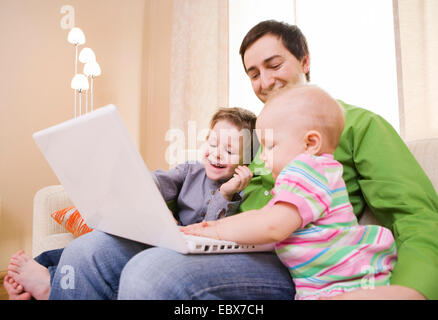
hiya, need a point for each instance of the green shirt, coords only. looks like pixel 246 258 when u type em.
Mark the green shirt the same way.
pixel 380 172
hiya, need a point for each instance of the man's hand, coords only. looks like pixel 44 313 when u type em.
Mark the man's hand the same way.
pixel 393 292
pixel 237 183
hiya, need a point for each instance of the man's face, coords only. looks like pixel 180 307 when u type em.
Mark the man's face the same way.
pixel 271 66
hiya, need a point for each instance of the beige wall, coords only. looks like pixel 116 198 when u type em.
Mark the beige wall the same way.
pixel 36 67
pixel 156 78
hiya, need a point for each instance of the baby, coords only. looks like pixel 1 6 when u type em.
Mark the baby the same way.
pixel 209 190
pixel 310 217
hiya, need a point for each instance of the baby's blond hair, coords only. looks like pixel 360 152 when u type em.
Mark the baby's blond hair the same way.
pixel 310 107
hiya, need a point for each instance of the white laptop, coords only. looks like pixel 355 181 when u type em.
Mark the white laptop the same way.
pixel 106 178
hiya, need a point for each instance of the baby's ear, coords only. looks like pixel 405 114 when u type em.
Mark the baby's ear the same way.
pixel 313 141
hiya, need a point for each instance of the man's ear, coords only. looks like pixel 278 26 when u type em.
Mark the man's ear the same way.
pixel 313 141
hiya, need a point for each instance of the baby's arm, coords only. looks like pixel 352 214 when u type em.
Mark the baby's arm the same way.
pixel 267 225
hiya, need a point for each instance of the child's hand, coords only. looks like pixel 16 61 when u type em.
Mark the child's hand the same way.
pixel 202 229
pixel 237 183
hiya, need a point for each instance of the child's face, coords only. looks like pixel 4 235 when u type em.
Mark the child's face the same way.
pixel 223 152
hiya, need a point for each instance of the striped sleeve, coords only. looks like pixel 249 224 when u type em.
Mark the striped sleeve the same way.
pixel 304 184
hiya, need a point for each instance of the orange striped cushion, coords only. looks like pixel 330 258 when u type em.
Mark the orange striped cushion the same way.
pixel 72 220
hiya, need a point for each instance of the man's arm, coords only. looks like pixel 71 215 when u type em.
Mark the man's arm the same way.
pixel 400 195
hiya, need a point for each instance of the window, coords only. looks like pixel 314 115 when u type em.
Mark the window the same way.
pixel 351 43
pixel 243 15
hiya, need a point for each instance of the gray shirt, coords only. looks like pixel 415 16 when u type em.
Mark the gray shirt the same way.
pixel 198 197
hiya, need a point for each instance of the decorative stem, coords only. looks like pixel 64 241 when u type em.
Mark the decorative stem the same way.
pixel 75 103
pixel 80 102
pixel 92 99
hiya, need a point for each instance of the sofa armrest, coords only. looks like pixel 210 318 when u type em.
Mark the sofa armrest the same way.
pixel 426 152
pixel 45 229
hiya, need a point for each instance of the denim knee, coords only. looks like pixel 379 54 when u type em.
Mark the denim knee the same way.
pixel 160 273
pixel 95 261
pixel 85 247
pixel 150 275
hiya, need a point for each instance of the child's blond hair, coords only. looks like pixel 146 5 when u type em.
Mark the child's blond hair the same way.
pixel 242 118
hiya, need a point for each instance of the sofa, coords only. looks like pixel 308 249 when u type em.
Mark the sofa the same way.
pixel 48 234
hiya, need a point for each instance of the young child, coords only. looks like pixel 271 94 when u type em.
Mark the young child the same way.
pixel 310 217
pixel 209 190
pixel 212 189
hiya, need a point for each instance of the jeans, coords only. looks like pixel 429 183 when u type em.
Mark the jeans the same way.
pixel 101 266
pixel 50 260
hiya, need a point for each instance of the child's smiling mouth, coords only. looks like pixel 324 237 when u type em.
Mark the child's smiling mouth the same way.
pixel 215 164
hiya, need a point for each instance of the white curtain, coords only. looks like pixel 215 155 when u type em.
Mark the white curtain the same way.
pixel 199 64
pixel 185 75
pixel 417 48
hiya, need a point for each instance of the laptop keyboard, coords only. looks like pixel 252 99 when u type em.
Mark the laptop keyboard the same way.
pixel 208 245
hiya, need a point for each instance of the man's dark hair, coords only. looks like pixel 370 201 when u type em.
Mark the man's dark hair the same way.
pixel 291 36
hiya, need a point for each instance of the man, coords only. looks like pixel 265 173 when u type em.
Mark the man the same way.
pixel 379 170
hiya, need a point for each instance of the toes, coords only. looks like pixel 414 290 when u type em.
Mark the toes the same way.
pixel 17 254
pixel 13 269
pixel 10 285
pixel 14 261
pixel 25 257
pixel 24 296
pixel 20 257
pixel 7 280
pixel 13 276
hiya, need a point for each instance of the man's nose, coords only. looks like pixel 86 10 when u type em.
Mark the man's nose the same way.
pixel 267 81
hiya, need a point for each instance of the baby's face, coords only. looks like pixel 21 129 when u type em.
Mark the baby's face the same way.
pixel 282 135
pixel 223 152
pixel 279 148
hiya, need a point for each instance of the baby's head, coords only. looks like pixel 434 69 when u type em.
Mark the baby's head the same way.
pixel 301 119
pixel 229 142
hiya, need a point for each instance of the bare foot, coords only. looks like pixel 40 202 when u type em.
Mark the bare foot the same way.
pixel 15 290
pixel 33 277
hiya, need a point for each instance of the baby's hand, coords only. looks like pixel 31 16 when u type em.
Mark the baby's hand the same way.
pixel 237 183
pixel 202 229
